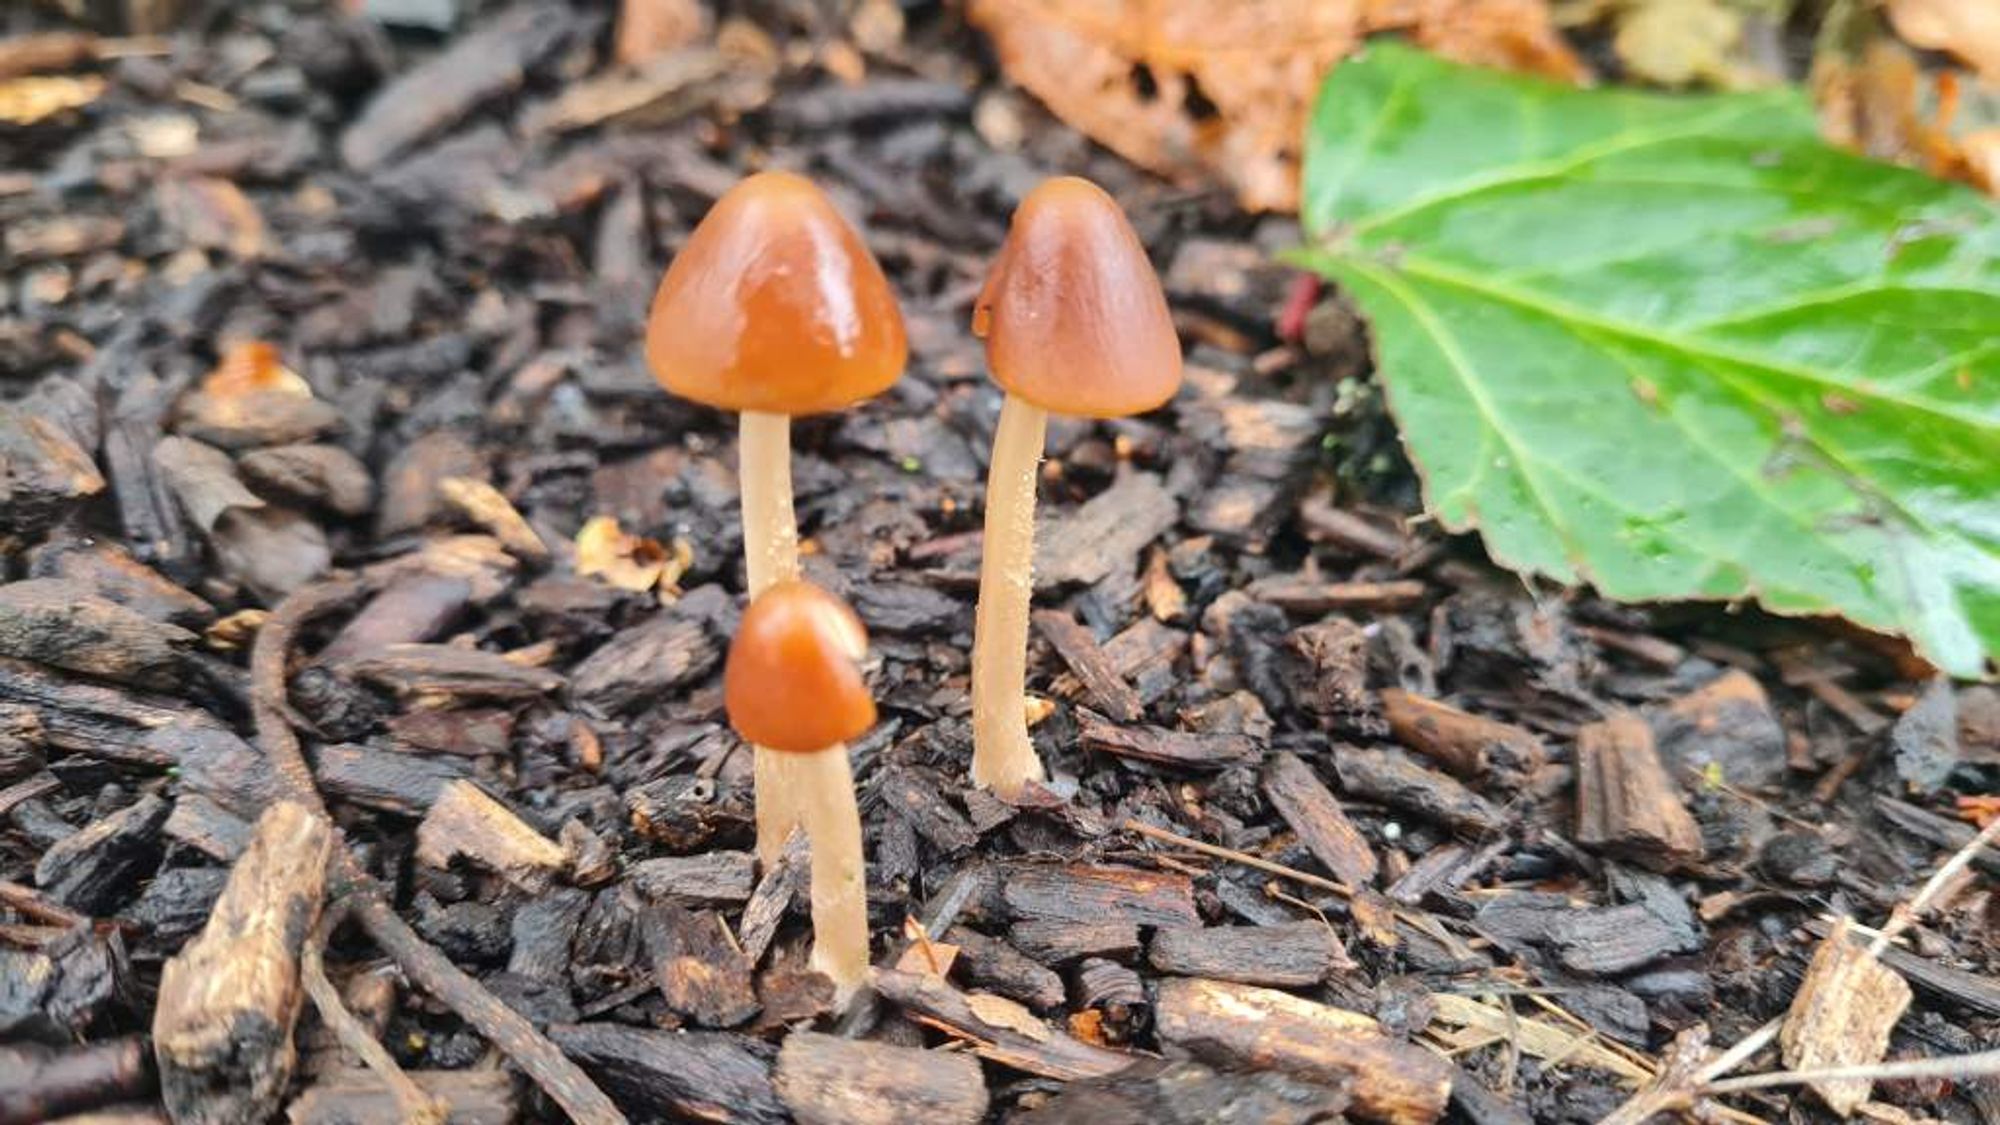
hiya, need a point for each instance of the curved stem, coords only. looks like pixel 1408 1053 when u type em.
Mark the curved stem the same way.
pixel 839 885
pixel 770 556
pixel 1003 759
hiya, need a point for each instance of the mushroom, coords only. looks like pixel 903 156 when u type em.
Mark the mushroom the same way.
pixel 1074 323
pixel 792 685
pixel 774 308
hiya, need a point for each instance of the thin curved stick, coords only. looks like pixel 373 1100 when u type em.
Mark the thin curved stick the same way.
pixel 413 1106
pixel 564 1082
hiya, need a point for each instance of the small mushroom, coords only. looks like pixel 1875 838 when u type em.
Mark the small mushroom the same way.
pixel 1074 323
pixel 773 308
pixel 792 684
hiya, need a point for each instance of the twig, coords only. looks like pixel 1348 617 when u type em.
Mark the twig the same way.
pixel 428 969
pixel 1708 1081
pixel 1417 919
pixel 1947 1066
pixel 31 904
pixel 412 1104
pixel 1903 917
pixel 1244 858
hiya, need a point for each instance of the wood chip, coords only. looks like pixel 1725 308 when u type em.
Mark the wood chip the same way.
pixel 44 473
pixel 1105 534
pixel 483 64
pixel 677 1075
pixel 1391 777
pixel 997 1030
pixel 1099 894
pixel 1107 690
pixel 483 504
pixel 1166 747
pixel 1322 825
pixel 59 623
pixel 466 823
pixel 1843 1013
pixel 1295 955
pixel 1626 804
pixel 1238 1025
pixel 356 1097
pixel 1470 746
pixel 222 1030
pixel 826 1080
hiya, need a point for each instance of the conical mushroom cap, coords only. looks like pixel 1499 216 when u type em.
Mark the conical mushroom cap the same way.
pixel 1072 313
pixel 774 305
pixel 793 678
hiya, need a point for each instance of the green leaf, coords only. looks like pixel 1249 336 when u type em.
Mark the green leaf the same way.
pixel 1675 346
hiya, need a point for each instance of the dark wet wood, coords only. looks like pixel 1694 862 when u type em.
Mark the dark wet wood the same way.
pixel 1105 534
pixel 41 1084
pixel 1165 747
pixel 1398 781
pixel 697 1075
pixel 992 964
pixel 1297 955
pixel 1101 893
pixel 65 625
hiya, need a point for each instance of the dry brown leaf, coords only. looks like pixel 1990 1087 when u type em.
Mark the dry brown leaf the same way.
pixel 1222 89
pixel 1679 42
pixel 1969 29
pixel 1187 90
pixel 1874 107
pixel 24 101
pixel 629 562
pixel 1509 34
pixel 484 505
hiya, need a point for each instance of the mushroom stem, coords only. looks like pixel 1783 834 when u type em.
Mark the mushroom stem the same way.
pixel 825 783
pixel 1003 759
pixel 770 555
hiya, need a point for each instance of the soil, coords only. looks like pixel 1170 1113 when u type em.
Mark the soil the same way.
pixel 1312 759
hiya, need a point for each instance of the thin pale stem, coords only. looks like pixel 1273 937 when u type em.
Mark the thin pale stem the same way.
pixel 770 556
pixel 839 886
pixel 1003 758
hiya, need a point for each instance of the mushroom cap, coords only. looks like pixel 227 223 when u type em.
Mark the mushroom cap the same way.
pixel 1072 313
pixel 774 305
pixel 793 678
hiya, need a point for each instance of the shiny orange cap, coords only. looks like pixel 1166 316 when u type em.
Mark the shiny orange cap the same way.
pixel 793 679
pixel 1072 313
pixel 774 305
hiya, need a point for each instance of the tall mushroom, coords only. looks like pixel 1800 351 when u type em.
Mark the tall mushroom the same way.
pixel 1074 323
pixel 774 308
pixel 792 684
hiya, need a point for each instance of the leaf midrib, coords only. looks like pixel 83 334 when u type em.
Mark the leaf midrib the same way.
pixel 1522 458
pixel 1693 346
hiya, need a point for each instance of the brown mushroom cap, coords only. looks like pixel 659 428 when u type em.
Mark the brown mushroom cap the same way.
pixel 774 305
pixel 1072 313
pixel 793 678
